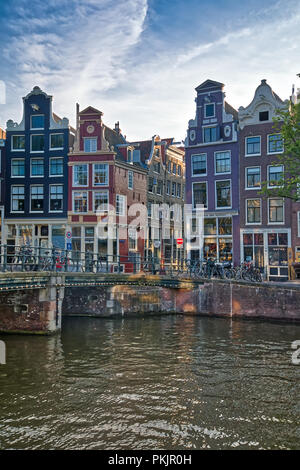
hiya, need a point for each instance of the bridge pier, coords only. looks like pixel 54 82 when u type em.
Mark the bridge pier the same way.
pixel 35 306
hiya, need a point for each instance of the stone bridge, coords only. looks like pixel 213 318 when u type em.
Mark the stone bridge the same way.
pixel 34 302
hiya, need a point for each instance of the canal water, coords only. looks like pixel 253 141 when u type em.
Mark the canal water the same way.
pixel 168 382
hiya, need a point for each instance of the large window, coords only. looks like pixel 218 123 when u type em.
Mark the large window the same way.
pixel 37 167
pixel 275 143
pixel 101 201
pixel 223 193
pixel 17 198
pixel 253 178
pixel 199 164
pixel 275 175
pixel 100 174
pixel 80 199
pixel 120 204
pixel 56 166
pixel 253 211
pixel 218 238
pixel 276 210
pixel 18 167
pixel 38 121
pixel 253 145
pixel 18 142
pixel 56 141
pixel 80 175
pixel 222 162
pixel 37 198
pixel 199 194
pixel 90 145
pixel 277 249
pixel 253 244
pixel 209 134
pixel 56 197
pixel 37 143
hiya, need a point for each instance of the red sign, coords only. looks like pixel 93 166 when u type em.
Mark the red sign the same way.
pixel 179 241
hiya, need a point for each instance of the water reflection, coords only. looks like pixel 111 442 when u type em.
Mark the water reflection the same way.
pixel 169 382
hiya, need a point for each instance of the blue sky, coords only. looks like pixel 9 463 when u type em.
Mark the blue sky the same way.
pixel 139 61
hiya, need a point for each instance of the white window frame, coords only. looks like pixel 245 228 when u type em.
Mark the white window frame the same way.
pixel 205 106
pixel 210 142
pixel 100 191
pixel 255 188
pixel 107 175
pixel 73 201
pixel 55 148
pixel 283 211
pixel 35 186
pixel 11 166
pixel 192 172
pixel 12 140
pixel 216 200
pixel 50 160
pixel 36 151
pixel 268 179
pixel 73 176
pixel 252 154
pixel 123 198
pixel 36 128
pixel 274 153
pixel 298 220
pixel 61 210
pixel 215 161
pixel 197 182
pixel 11 199
pixel 130 174
pixel 246 211
pixel 90 138
pixel 37 176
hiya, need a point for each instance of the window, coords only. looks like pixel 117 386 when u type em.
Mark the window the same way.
pixel 56 197
pixel 38 121
pixel 80 175
pixel 18 142
pixel 275 175
pixel 199 164
pixel 253 145
pixel 80 201
pixel 173 189
pixel 179 170
pixel 209 134
pixel 168 187
pixel 209 110
pixel 264 116
pixel 18 167
pixel 276 210
pixel 275 143
pixel 120 204
pixel 100 174
pixel 199 194
pixel 17 198
pixel 169 166
pixel 37 198
pixel 90 145
pixel 222 162
pixel 37 167
pixel 37 143
pixel 56 166
pixel 174 168
pixel 56 141
pixel 132 239
pixel 156 167
pixel 101 201
pixel 150 185
pixel 129 155
pixel 159 188
pixel 254 248
pixel 253 177
pixel 130 179
pixel 298 214
pixel 223 194
pixel 253 212
pixel 178 190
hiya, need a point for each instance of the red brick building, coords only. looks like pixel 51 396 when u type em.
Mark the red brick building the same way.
pixel 103 186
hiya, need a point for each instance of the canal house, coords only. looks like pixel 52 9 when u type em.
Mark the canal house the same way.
pixel 36 190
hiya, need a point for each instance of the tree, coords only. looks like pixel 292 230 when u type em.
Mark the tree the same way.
pixel 287 123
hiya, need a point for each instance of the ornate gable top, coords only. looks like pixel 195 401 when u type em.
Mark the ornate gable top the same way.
pixel 209 84
pixel 91 110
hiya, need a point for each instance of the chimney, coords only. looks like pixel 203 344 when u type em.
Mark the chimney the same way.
pixel 117 127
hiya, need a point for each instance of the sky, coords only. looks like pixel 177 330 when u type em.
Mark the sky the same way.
pixel 139 61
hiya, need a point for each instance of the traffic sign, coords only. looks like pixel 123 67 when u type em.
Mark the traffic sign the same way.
pixel 69 246
pixel 69 235
pixel 179 241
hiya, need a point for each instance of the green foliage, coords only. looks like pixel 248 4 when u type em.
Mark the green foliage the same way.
pixel 288 124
